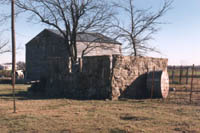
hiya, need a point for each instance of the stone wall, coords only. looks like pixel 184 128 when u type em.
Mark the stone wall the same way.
pixel 90 79
pixel 101 77
pixel 129 75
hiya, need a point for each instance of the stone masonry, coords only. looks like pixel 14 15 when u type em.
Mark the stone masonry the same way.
pixel 129 75
pixel 102 77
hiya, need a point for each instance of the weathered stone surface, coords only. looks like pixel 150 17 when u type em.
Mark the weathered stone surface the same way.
pixel 102 77
pixel 92 82
pixel 129 75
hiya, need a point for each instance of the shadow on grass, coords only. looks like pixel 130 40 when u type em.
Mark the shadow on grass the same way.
pixel 183 130
pixel 116 130
pixel 25 95
pixel 134 118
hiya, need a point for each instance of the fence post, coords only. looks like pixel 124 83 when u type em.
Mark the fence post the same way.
pixel 152 88
pixel 180 76
pixel 80 64
pixel 191 84
pixel 187 74
pixel 70 65
pixel 173 68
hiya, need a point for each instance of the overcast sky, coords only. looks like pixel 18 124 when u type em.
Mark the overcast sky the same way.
pixel 178 40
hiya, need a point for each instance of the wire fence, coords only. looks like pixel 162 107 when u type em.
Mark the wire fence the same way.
pixel 184 84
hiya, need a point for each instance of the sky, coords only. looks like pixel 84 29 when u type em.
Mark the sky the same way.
pixel 178 39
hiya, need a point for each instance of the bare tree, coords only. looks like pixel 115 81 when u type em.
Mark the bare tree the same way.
pixel 70 17
pixel 3 43
pixel 142 24
pixel 90 46
pixel 99 43
pixel 3 47
pixel 21 65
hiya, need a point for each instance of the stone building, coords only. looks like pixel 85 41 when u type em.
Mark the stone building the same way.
pixel 50 44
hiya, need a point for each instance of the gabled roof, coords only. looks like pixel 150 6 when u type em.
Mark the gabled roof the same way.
pixel 89 37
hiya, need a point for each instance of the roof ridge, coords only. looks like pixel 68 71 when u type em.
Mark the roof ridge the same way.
pixel 89 36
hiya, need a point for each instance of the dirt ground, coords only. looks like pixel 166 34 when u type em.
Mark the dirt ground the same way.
pixel 37 114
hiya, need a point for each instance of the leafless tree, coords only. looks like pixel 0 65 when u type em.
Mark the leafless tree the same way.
pixel 21 65
pixel 4 47
pixel 98 44
pixel 142 25
pixel 3 43
pixel 70 17
pixel 90 46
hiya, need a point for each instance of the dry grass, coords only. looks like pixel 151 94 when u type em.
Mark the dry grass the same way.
pixel 182 93
pixel 39 115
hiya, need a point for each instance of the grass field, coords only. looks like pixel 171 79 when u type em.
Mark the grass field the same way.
pixel 36 114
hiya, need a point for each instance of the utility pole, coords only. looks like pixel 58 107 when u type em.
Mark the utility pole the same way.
pixel 13 52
